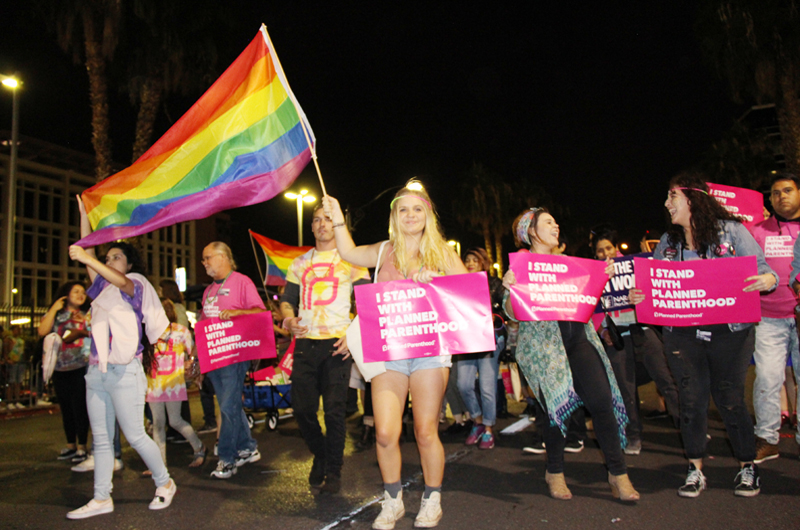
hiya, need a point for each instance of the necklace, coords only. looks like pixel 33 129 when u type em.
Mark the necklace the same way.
pixel 213 299
pixel 330 266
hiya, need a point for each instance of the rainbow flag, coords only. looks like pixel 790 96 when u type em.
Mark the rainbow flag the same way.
pixel 279 257
pixel 241 143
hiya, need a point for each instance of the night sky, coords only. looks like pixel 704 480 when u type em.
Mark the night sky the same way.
pixel 599 105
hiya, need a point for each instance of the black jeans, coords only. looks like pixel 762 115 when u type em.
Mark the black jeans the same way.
pixel 71 392
pixel 316 372
pixel 591 384
pixel 716 367
pixel 641 361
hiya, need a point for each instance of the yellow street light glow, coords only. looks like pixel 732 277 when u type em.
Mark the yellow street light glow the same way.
pixel 452 243
pixel 10 82
pixel 415 186
pixel 496 266
pixel 20 321
pixel 14 290
pixel 624 246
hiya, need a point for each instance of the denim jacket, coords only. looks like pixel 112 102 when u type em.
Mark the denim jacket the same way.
pixel 734 241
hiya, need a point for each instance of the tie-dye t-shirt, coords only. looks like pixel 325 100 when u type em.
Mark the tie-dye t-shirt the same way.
pixel 167 383
pixel 326 285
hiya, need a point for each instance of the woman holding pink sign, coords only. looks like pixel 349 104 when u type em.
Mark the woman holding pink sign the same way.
pixel 415 250
pixel 566 365
pixel 710 360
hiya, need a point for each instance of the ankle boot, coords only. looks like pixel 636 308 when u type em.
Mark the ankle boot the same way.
pixel 558 486
pixel 621 488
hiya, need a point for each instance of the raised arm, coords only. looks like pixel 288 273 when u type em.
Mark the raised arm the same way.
pixel 46 323
pixel 364 255
pixel 114 277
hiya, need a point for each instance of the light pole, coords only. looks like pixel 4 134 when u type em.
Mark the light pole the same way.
pixel 8 223
pixel 457 245
pixel 300 198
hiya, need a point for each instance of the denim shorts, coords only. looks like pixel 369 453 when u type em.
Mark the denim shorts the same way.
pixel 409 366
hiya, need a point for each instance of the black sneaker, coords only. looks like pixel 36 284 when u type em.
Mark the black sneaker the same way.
pixel 695 483
pixel 207 428
pixel 536 448
pixel 747 482
pixel 317 476
pixel 67 453
pixel 574 446
pixel 656 415
pixel 333 483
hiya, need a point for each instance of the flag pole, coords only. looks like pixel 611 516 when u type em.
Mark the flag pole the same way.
pixel 294 101
pixel 258 262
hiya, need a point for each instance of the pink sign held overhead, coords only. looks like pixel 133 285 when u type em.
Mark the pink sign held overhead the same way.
pixel 553 287
pixel 747 204
pixel 405 320
pixel 243 338
pixel 697 292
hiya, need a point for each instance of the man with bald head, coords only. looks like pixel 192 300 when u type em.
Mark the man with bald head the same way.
pixel 230 295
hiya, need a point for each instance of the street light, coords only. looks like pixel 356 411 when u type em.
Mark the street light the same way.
pixel 457 245
pixel 300 198
pixel 13 84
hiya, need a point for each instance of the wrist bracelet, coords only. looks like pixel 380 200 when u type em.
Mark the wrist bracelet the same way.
pixel 337 225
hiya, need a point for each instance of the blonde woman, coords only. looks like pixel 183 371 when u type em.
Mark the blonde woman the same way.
pixel 416 250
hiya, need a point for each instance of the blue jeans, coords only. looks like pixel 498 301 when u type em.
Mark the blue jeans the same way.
pixel 487 368
pixel 118 395
pixel 234 431
pixel 776 340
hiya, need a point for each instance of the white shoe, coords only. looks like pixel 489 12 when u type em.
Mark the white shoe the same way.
pixel 430 511
pixel 20 406
pixel 12 406
pixel 118 465
pixel 86 465
pixel 392 510
pixel 164 496
pixel 91 509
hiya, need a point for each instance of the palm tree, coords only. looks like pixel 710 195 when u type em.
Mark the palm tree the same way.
pixel 755 45
pixel 476 205
pixel 89 30
pixel 167 52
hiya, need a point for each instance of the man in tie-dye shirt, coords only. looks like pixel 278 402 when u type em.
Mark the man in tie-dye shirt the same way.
pixel 316 306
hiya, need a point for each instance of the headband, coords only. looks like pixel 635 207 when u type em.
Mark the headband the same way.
pixel 524 224
pixel 391 205
pixel 693 189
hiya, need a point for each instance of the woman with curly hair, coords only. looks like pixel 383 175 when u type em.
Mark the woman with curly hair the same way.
pixel 124 306
pixel 566 365
pixel 710 360
pixel 415 250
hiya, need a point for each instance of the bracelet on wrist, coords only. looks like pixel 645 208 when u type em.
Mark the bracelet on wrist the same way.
pixel 337 225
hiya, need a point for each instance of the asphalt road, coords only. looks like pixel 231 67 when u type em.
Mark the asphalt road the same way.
pixel 501 488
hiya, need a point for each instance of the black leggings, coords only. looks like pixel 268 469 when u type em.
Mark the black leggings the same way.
pixel 591 384
pixel 71 391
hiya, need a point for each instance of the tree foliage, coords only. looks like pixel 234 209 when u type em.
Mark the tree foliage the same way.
pixel 755 45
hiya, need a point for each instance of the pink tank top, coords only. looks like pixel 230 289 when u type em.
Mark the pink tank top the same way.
pixel 388 272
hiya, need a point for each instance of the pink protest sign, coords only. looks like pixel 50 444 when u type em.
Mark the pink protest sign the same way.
pixel 406 320
pixel 697 292
pixel 747 204
pixel 551 287
pixel 243 338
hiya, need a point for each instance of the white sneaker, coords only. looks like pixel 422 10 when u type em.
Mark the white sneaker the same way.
pixel 20 406
pixel 430 511
pixel 86 465
pixel 118 465
pixel 247 457
pixel 392 510
pixel 164 496
pixel 12 406
pixel 91 509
